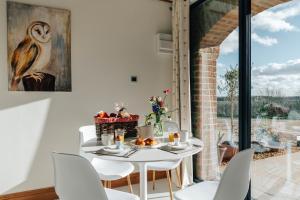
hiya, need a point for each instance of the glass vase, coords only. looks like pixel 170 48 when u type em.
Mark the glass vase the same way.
pixel 158 129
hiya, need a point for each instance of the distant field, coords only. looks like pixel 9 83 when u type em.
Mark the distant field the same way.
pixel 258 102
pixel 287 129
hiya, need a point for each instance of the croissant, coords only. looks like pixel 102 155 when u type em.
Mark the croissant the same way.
pixel 140 142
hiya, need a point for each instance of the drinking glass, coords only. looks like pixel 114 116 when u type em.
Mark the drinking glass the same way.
pixel 171 137
pixel 120 133
pixel 107 139
pixel 120 137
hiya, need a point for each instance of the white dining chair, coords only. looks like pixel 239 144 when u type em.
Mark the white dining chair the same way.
pixel 76 179
pixel 167 166
pixel 107 170
pixel 233 185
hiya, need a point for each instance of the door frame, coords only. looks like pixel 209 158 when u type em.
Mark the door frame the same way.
pixel 244 73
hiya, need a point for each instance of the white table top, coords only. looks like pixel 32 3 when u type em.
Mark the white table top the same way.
pixel 151 155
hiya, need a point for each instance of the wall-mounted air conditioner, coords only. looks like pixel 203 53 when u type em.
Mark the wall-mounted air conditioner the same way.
pixel 164 43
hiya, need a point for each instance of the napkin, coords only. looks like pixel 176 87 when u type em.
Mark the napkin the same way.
pixel 176 151
pixel 126 153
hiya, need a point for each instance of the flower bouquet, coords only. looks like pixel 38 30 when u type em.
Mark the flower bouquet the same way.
pixel 159 112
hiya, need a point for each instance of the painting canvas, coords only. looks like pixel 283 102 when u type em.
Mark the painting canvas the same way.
pixel 39 48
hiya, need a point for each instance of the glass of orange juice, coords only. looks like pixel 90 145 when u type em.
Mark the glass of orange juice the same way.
pixel 171 137
pixel 120 134
pixel 121 138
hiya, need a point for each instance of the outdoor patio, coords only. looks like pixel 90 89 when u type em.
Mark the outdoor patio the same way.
pixel 276 178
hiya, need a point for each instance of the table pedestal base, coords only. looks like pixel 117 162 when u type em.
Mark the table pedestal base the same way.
pixel 143 181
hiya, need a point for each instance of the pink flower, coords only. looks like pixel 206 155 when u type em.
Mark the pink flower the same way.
pixel 167 91
pixel 161 104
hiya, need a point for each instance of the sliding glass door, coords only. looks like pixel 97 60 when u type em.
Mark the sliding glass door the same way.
pixel 214 84
pixel 275 129
pixel 220 82
pixel 241 103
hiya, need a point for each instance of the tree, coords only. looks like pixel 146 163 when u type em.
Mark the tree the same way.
pixel 231 88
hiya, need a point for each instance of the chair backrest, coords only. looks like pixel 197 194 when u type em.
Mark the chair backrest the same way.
pixel 76 179
pixel 87 133
pixel 234 183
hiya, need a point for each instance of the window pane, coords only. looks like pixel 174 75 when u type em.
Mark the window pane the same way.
pixel 276 99
pixel 214 86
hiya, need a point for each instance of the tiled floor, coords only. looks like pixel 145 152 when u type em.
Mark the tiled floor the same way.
pixel 161 192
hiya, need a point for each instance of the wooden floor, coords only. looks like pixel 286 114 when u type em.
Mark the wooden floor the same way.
pixel 277 178
pixel 161 192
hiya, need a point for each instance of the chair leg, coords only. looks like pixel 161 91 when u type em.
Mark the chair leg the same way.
pixel 153 179
pixel 170 184
pixel 178 176
pixel 129 184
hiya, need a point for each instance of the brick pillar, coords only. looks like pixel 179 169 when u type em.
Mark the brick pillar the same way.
pixel 204 110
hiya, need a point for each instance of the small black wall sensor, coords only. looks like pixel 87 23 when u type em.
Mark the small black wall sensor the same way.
pixel 134 79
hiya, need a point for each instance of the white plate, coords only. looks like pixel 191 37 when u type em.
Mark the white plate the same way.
pixel 154 146
pixel 113 149
pixel 178 147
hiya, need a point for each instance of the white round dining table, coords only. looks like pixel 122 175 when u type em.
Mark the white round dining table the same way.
pixel 145 156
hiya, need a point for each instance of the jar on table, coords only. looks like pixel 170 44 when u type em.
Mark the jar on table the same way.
pixel 107 139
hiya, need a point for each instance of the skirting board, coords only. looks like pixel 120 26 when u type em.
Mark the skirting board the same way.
pixel 49 193
pixel 38 194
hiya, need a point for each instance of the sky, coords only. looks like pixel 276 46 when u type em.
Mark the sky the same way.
pixel 275 51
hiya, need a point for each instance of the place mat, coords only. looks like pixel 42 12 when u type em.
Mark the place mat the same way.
pixel 96 142
pixel 125 154
pixel 171 150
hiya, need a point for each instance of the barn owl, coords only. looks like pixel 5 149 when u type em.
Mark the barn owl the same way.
pixel 32 54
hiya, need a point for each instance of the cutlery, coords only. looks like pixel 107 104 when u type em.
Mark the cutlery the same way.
pixel 130 153
pixel 169 151
pixel 197 145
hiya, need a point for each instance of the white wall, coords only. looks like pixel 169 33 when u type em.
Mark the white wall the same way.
pixel 111 40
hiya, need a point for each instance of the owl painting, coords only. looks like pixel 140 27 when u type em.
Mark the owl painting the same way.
pixel 32 54
pixel 38 48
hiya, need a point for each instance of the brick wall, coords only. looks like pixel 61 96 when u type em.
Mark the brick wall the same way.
pixel 204 110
